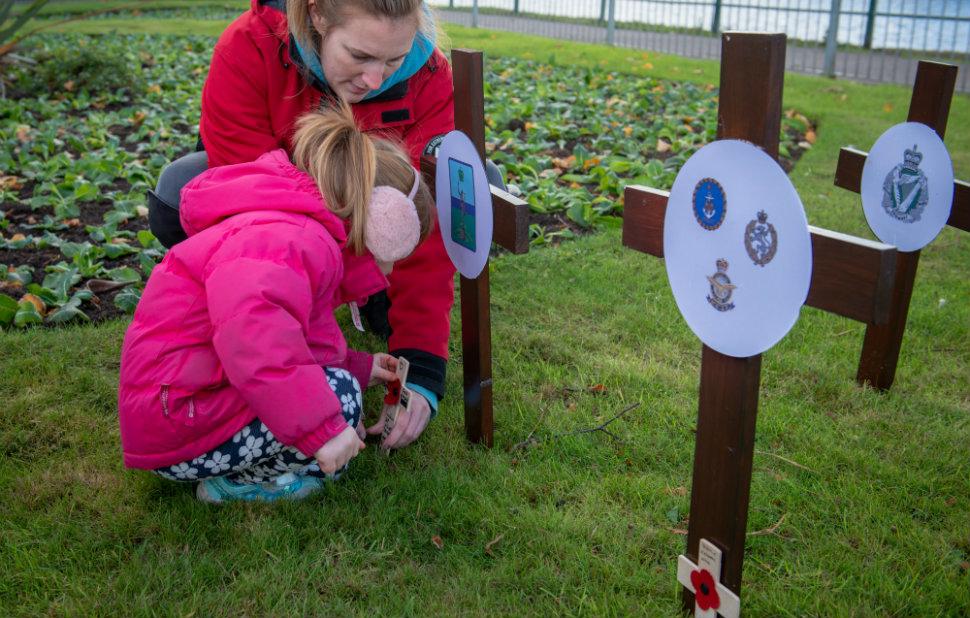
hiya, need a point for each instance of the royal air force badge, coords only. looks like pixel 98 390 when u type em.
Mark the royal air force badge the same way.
pixel 710 203
pixel 904 192
pixel 761 239
pixel 721 288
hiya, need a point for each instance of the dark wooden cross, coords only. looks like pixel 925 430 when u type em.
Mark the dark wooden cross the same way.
pixel 851 277
pixel 510 231
pixel 930 104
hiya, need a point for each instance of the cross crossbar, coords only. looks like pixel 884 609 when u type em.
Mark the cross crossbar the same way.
pixel 510 215
pixel 848 175
pixel 851 277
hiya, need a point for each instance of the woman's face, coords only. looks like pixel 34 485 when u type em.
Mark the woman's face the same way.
pixel 360 54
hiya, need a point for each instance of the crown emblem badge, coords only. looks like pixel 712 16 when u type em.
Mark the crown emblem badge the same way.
pixel 761 239
pixel 721 287
pixel 905 191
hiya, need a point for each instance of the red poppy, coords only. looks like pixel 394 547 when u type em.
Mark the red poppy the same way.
pixel 705 590
pixel 393 395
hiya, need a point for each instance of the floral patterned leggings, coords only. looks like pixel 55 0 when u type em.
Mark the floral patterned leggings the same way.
pixel 254 455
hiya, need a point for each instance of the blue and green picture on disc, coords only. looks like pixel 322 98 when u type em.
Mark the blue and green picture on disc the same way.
pixel 710 203
pixel 462 203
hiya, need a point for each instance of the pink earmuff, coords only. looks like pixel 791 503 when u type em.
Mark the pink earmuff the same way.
pixel 393 228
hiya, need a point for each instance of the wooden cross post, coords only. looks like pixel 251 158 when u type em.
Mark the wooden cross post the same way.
pixel 851 277
pixel 930 105
pixel 510 230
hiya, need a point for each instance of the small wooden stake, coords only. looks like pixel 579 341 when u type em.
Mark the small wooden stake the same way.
pixel 476 330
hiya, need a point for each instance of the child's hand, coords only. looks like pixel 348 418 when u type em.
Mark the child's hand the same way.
pixel 382 369
pixel 339 450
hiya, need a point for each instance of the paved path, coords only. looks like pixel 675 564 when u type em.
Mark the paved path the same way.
pixel 871 67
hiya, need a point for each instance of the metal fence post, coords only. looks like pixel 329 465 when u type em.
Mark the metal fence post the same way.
pixel 515 7
pixel 451 4
pixel 716 23
pixel 611 26
pixel 870 22
pixel 474 13
pixel 602 11
pixel 831 40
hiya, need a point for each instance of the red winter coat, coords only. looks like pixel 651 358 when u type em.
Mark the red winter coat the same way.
pixel 251 99
pixel 237 321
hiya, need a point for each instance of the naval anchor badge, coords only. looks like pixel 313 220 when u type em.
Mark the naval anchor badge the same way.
pixel 721 288
pixel 710 203
pixel 761 239
pixel 904 193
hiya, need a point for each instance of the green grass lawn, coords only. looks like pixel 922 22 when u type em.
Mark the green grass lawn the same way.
pixel 874 520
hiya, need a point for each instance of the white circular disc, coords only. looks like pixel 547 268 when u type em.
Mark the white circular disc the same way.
pixel 464 203
pixel 737 248
pixel 907 186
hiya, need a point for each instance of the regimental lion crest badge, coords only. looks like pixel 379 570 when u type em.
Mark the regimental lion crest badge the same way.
pixel 710 203
pixel 761 239
pixel 904 192
pixel 721 288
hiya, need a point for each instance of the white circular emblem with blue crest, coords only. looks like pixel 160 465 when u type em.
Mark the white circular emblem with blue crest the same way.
pixel 907 186
pixel 741 275
pixel 710 203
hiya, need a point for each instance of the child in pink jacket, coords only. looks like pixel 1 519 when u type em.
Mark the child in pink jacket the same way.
pixel 234 371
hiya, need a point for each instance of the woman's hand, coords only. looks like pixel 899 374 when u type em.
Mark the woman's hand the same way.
pixel 410 423
pixel 339 450
pixel 382 369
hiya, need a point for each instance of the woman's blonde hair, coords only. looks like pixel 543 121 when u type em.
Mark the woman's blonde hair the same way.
pixel 347 164
pixel 336 12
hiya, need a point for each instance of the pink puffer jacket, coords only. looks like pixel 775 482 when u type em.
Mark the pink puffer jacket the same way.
pixel 237 321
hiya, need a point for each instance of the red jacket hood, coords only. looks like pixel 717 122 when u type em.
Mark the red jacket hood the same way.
pixel 273 14
pixel 270 183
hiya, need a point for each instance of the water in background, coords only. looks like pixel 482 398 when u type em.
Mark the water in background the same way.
pixel 924 25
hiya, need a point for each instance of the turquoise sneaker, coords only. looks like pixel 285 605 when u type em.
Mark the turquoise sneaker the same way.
pixel 289 486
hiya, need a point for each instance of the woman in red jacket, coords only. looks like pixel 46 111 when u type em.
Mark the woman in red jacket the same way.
pixel 282 58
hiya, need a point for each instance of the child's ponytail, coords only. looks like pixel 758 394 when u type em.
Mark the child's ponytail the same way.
pixel 329 147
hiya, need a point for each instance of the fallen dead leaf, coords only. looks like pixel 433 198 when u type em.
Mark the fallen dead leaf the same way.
pixel 679 531
pixel 436 540
pixel 17 237
pixel 810 136
pixel 10 182
pixel 23 133
pixel 36 302
pixel 567 163
pixel 662 146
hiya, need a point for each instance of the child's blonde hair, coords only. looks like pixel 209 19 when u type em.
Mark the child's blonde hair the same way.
pixel 347 164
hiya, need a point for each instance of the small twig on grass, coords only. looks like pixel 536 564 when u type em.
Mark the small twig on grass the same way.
pixel 786 460
pixel 773 529
pixel 531 439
